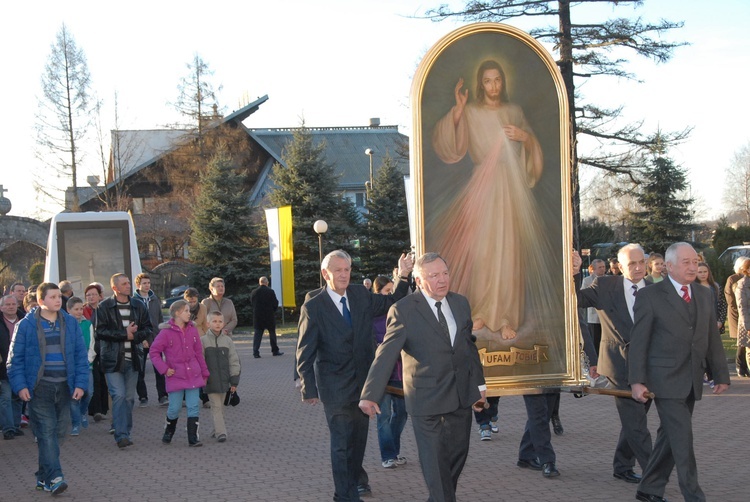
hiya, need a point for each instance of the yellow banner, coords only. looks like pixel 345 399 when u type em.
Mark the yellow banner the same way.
pixel 514 356
pixel 287 256
pixel 280 242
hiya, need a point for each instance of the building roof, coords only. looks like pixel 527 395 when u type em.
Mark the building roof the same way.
pixel 345 148
pixel 140 148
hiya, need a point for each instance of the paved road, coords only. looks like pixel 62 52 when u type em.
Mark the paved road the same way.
pixel 278 451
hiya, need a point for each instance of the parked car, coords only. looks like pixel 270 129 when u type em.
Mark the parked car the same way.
pixel 175 294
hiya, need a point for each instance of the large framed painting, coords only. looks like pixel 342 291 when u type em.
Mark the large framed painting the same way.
pixel 491 173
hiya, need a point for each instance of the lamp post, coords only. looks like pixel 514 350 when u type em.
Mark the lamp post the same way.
pixel 320 228
pixel 369 152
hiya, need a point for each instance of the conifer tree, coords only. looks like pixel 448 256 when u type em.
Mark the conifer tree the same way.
pixel 666 216
pixel 308 183
pixel 387 228
pixel 223 242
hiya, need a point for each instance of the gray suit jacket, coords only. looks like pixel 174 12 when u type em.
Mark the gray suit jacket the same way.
pixel 669 347
pixel 438 378
pixel 332 357
pixel 606 294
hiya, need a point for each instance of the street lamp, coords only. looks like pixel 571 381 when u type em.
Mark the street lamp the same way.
pixel 320 228
pixel 369 153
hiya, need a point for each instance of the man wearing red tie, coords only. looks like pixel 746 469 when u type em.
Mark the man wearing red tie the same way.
pixel 674 334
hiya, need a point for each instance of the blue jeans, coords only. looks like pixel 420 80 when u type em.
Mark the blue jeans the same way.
pixel 49 411
pixel 81 408
pixel 122 389
pixel 192 403
pixel 391 422
pixel 9 407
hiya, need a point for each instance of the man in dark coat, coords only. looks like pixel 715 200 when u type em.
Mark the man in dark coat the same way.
pixel 674 335
pixel 264 303
pixel 334 352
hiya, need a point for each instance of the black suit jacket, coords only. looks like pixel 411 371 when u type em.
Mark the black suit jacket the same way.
pixel 438 377
pixel 333 357
pixel 669 346
pixel 607 296
pixel 264 303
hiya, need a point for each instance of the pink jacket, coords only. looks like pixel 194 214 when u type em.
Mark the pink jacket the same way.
pixel 183 352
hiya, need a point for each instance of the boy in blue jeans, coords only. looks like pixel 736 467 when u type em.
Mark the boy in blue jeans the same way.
pixel 47 365
pixel 79 409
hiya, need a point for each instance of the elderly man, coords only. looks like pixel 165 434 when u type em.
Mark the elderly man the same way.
pixel 334 351
pixel 443 375
pixel 675 333
pixel 66 290
pixel 122 324
pixel 10 407
pixel 613 296
pixel 217 302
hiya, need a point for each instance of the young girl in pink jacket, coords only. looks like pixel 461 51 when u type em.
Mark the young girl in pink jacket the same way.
pixel 184 368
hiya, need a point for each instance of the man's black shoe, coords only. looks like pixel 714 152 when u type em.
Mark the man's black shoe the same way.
pixel 647 497
pixel 628 476
pixel 549 470
pixel 256 356
pixel 532 464
pixel 278 353
pixel 557 425
pixel 364 490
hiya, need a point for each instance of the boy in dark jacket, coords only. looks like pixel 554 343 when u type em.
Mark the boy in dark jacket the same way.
pixel 224 367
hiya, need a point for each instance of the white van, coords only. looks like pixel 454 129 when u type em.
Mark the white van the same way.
pixel 91 247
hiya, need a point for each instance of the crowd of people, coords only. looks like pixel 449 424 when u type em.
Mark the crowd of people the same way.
pixel 65 358
pixel 659 321
pixel 399 346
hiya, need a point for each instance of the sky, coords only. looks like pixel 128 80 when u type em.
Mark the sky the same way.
pixel 341 62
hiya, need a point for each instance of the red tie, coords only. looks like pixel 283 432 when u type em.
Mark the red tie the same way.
pixel 685 294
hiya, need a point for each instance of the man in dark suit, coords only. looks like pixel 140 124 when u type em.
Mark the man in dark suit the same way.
pixel 674 335
pixel 443 375
pixel 733 314
pixel 613 296
pixel 264 303
pixel 334 352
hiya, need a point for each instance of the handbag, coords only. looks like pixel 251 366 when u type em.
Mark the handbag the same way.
pixel 232 398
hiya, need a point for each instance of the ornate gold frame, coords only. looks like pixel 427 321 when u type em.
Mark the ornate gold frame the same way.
pixel 526 52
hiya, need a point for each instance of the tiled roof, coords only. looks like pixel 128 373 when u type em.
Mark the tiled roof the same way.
pixel 345 148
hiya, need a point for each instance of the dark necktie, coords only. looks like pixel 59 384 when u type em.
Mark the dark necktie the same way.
pixel 442 321
pixel 635 289
pixel 345 309
pixel 685 294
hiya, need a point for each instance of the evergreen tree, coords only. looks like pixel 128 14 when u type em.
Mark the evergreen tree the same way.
pixel 308 184
pixel 223 242
pixel 387 222
pixel 665 217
